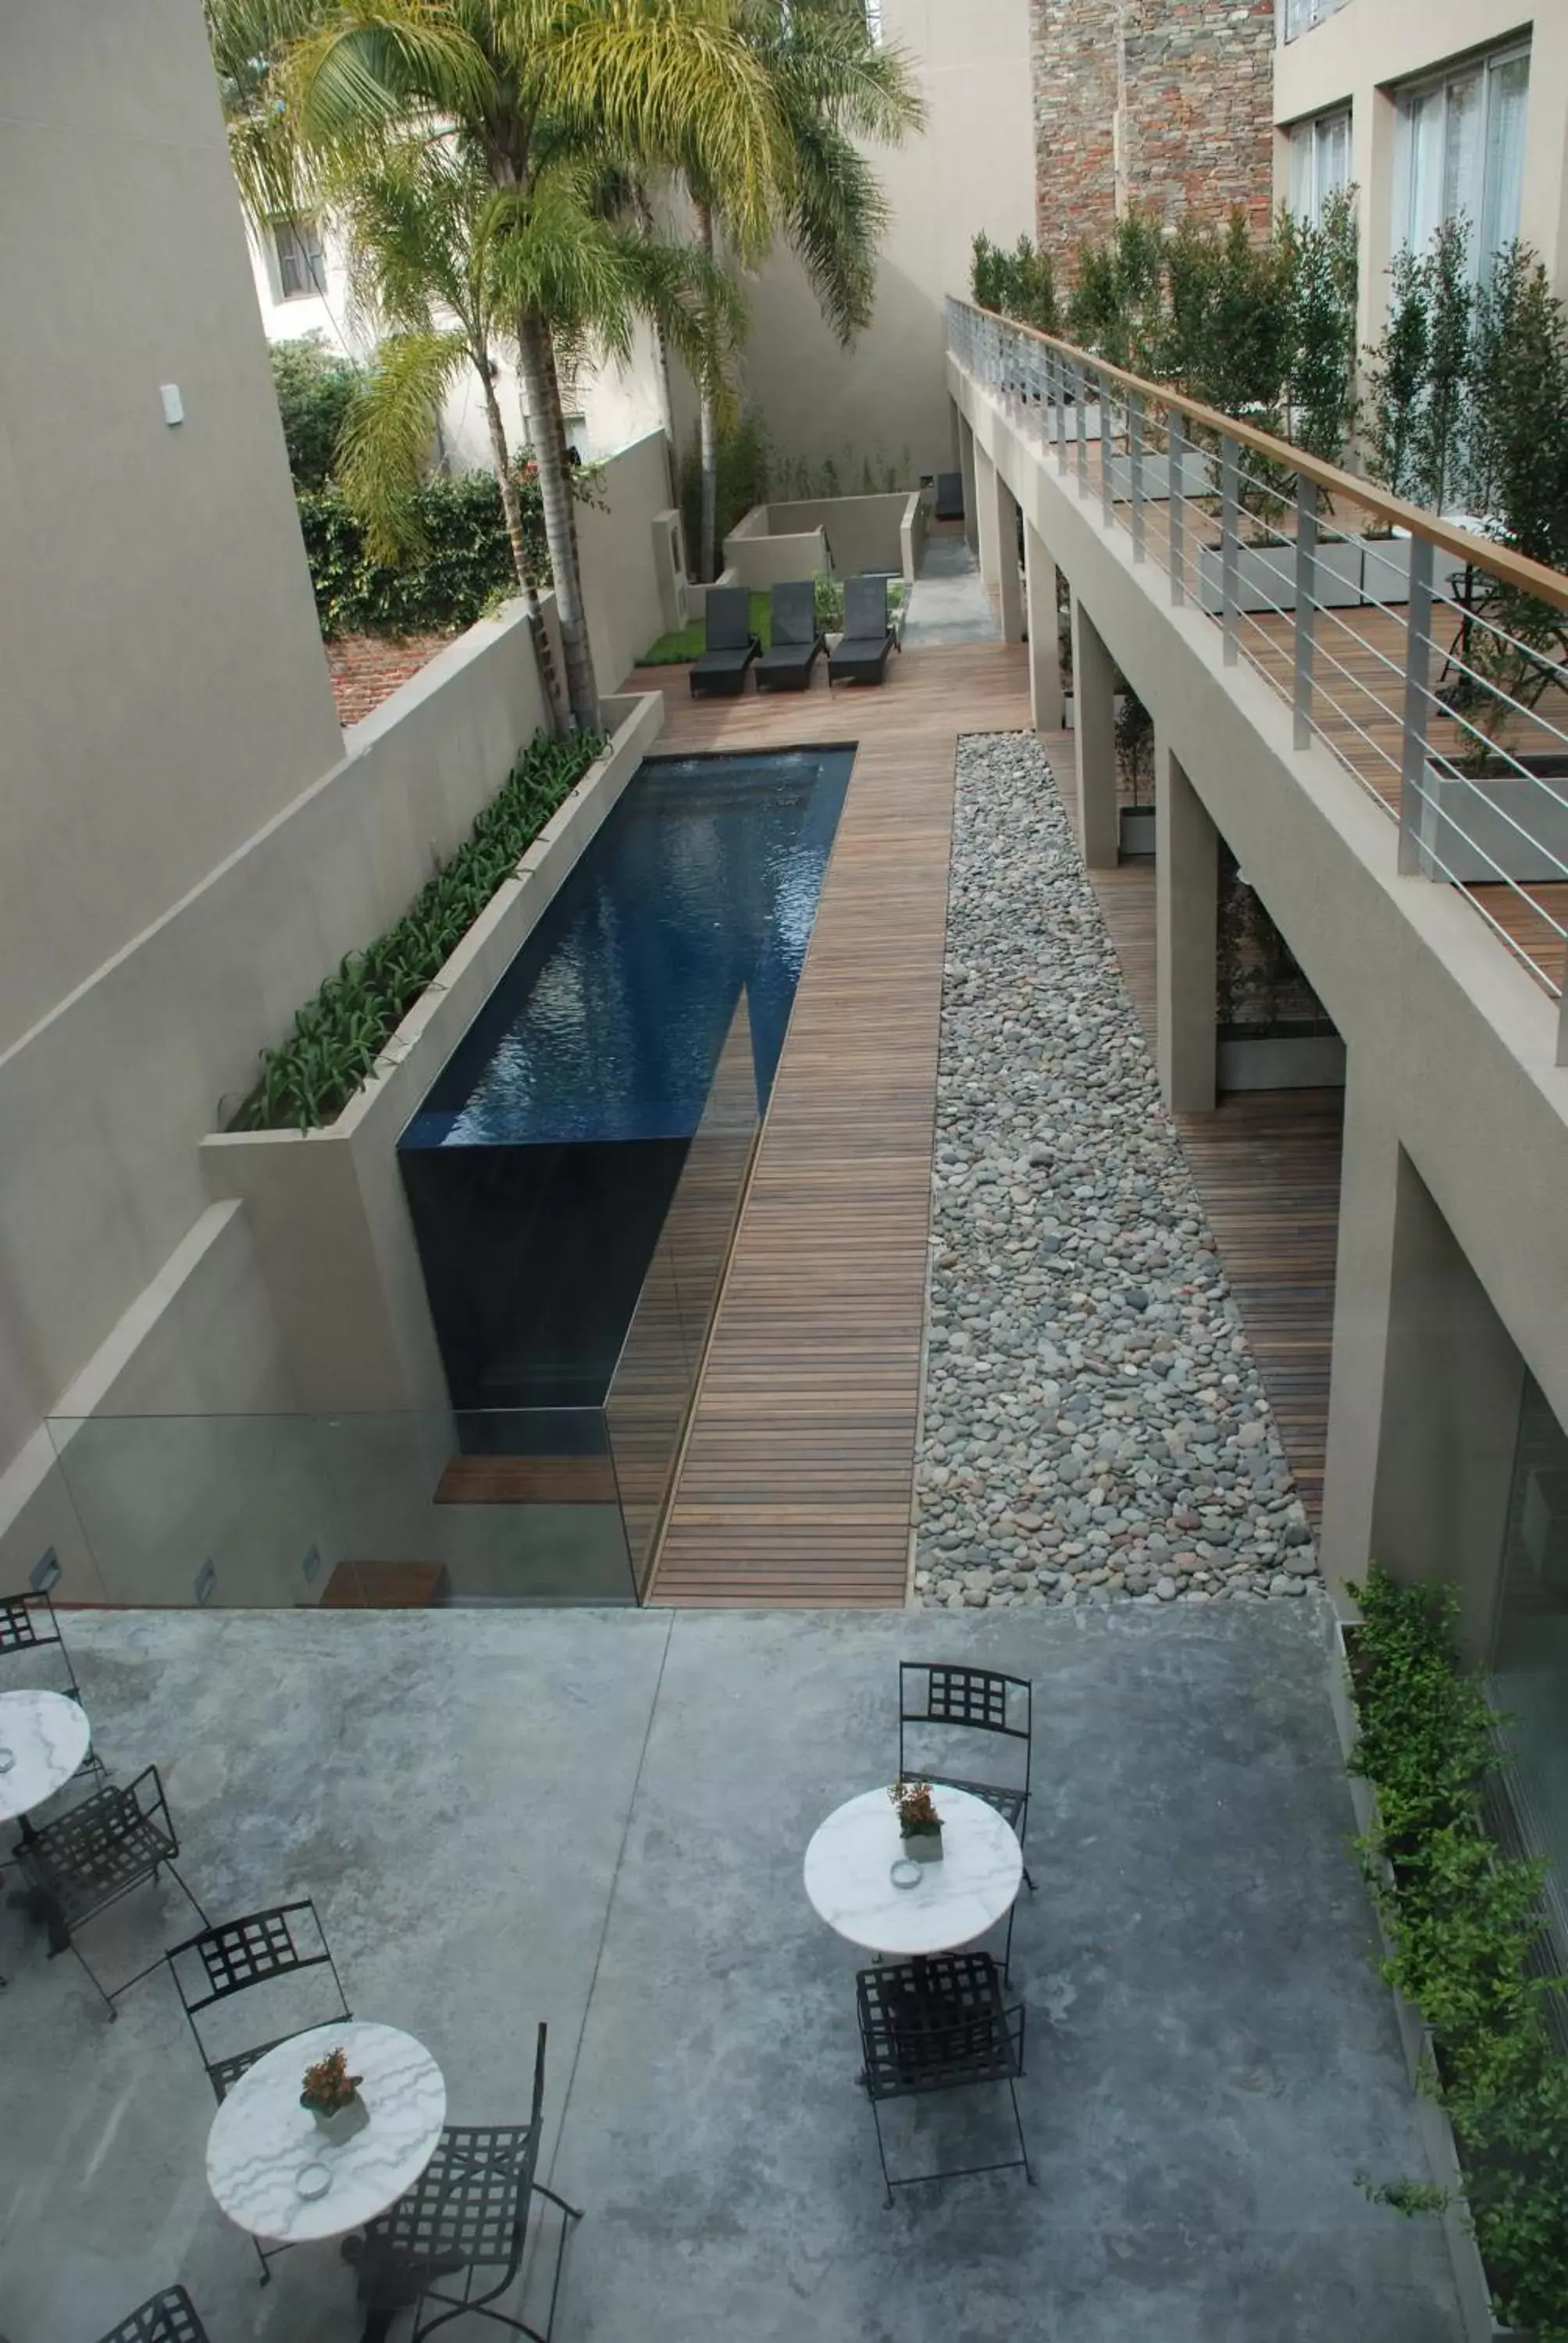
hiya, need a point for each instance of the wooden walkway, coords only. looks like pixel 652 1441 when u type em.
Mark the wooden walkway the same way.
pixel 1266 1165
pixel 797 1482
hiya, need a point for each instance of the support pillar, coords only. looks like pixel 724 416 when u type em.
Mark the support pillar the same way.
pixel 1363 1273
pixel 999 531
pixel 1045 700
pixel 986 539
pixel 1094 736
pixel 1186 887
pixel 966 439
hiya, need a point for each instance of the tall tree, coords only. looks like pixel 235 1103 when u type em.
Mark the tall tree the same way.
pixel 508 81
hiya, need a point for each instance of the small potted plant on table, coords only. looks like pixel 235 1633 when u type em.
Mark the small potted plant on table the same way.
pixel 331 2095
pixel 920 1824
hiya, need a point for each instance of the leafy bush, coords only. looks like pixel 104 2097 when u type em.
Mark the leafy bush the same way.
pixel 1465 1922
pixel 337 1036
pixel 744 464
pixel 469 562
pixel 316 389
pixel 1020 284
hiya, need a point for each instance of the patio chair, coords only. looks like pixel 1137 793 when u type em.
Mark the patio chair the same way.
pixel 787 664
pixel 166 2317
pixel 721 670
pixel 29 1624
pixel 241 1956
pixel 88 1858
pixel 951 1699
pixel 939 2025
pixel 465 2214
pixel 860 654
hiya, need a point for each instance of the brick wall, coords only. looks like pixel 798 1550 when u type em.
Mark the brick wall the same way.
pixel 1167 104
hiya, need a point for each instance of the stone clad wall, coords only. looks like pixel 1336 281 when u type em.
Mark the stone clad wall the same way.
pixel 1162 103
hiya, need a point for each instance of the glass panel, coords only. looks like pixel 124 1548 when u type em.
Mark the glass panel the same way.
pixel 1531 1667
pixel 1418 169
pixel 1301 171
pixel 1334 158
pixel 1461 152
pixel 1508 98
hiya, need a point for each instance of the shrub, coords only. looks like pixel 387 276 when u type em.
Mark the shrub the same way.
pixel 1020 284
pixel 744 465
pixel 468 564
pixel 316 389
pixel 337 1036
pixel 1465 1922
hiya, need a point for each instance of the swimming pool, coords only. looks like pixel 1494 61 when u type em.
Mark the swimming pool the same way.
pixel 541 1166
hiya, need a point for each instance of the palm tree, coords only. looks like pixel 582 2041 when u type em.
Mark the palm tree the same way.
pixel 830 85
pixel 506 81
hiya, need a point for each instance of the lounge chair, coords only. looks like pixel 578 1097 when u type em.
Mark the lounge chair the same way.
pixel 731 645
pixel 861 654
pixel 797 638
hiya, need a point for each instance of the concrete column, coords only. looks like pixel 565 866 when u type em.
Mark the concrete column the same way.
pixel 1044 660
pixel 966 439
pixel 1363 1270
pixel 986 541
pixel 1186 880
pixel 999 518
pixel 1094 736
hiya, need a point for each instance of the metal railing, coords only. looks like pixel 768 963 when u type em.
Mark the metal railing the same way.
pixel 1431 660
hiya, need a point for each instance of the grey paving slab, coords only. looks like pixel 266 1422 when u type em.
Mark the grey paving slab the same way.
pixel 948 602
pixel 1211 2056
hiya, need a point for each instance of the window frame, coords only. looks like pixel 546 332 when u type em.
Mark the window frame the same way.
pixel 1310 129
pixel 307 259
pixel 1483 65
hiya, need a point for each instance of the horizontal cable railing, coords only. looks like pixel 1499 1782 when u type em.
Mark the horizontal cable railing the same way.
pixel 1431 660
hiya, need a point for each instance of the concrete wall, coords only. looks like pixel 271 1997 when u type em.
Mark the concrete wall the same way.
pixel 1451 1044
pixel 862 532
pixel 973 168
pixel 1358 55
pixel 160 667
pixel 622 585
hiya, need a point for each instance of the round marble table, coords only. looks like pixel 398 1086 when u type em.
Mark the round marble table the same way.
pixel 44 1737
pixel 849 1859
pixel 262 2139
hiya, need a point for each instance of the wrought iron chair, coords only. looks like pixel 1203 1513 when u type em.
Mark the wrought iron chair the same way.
pixel 88 1858
pixel 468 2213
pixel 956 1699
pixel 166 2317
pixel 29 1624
pixel 939 2025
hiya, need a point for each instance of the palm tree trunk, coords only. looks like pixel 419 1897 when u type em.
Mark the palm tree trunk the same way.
pixel 547 423
pixel 708 433
pixel 647 222
pixel 512 506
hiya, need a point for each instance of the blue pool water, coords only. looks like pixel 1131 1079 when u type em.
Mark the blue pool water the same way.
pixel 541 1167
pixel 609 1025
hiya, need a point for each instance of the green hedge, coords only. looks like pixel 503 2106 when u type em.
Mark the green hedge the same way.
pixel 315 388
pixel 337 1036
pixel 1465 1923
pixel 467 566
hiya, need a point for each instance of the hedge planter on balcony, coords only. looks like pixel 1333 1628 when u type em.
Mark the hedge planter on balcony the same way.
pixel 1496 822
pixel 1266 576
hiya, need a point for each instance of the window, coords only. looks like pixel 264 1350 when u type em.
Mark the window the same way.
pixel 1319 162
pixel 1301 15
pixel 1459 153
pixel 301 270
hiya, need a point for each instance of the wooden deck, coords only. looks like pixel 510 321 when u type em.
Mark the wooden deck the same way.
pixel 1266 1165
pixel 797 1482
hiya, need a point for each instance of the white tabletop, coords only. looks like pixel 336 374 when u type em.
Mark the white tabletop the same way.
pixel 45 1735
pixel 852 1854
pixel 262 2138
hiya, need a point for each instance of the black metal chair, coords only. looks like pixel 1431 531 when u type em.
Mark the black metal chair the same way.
pixel 956 1699
pixel 939 2025
pixel 166 2317
pixel 88 1858
pixel 29 1624
pixel 238 1955
pixel 468 2213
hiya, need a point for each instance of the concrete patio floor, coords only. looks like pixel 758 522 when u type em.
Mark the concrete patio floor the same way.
pixel 599 1819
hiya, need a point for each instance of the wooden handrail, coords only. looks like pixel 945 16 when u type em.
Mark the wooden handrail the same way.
pixel 1515 569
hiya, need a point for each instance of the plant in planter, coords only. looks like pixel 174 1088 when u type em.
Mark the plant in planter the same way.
pixel 1134 752
pixel 331 2095
pixel 920 1824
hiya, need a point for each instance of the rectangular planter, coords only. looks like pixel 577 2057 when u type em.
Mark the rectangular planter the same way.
pixel 1136 830
pixel 1499 827
pixel 1198 477
pixel 1281 1061
pixel 1266 576
pixel 325 1208
pixel 1385 570
pixel 1416 2040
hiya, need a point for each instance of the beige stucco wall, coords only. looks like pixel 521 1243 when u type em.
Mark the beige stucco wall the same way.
pixel 1451 1045
pixel 1357 57
pixel 622 584
pixel 160 667
pixel 973 168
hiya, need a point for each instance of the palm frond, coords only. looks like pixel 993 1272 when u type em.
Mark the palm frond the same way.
pixel 387 437
pixel 376 67
pixel 836 216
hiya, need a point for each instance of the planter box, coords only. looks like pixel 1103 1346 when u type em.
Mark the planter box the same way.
pixel 1281 1061
pixel 1266 576
pixel 1415 2039
pixel 1199 477
pixel 1385 570
pixel 1496 827
pixel 325 1208
pixel 1136 830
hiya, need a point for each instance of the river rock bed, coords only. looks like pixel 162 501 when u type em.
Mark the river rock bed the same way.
pixel 1095 1429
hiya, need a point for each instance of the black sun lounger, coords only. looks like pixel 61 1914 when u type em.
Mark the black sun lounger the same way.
pixel 731 645
pixel 785 665
pixel 862 655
